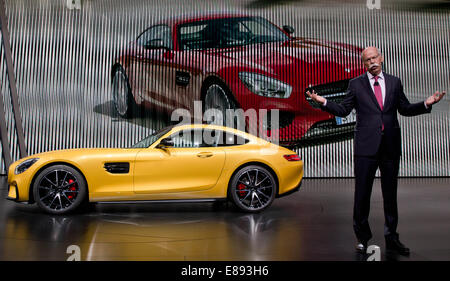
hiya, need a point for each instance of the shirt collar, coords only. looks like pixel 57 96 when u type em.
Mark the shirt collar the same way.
pixel 380 76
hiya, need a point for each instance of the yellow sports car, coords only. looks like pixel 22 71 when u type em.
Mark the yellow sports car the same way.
pixel 179 163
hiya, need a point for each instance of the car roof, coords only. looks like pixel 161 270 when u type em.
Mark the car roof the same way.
pixel 213 127
pixel 176 20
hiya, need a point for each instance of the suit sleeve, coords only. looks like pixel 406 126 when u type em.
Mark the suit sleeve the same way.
pixel 343 108
pixel 406 108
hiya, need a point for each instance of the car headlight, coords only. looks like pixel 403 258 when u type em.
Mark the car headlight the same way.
pixel 265 86
pixel 22 167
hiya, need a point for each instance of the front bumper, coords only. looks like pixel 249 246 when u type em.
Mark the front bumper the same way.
pixel 13 192
pixel 300 119
pixel 321 132
pixel 18 185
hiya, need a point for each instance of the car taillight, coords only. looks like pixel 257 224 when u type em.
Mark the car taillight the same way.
pixel 292 157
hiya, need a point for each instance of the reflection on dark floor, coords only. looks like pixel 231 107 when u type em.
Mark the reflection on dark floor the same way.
pixel 313 224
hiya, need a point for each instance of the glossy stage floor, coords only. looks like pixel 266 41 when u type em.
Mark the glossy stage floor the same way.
pixel 312 224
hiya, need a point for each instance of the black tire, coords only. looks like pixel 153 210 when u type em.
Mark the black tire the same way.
pixel 252 182
pixel 123 99
pixel 217 96
pixel 59 189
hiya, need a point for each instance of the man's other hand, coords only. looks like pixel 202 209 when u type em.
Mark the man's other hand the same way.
pixel 315 97
pixel 436 97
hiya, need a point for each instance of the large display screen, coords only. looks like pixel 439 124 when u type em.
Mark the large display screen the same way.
pixel 107 73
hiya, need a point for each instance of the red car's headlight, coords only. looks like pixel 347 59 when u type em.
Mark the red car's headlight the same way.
pixel 265 86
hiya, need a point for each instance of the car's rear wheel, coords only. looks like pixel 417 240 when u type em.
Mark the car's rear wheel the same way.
pixel 218 97
pixel 59 189
pixel 124 102
pixel 252 188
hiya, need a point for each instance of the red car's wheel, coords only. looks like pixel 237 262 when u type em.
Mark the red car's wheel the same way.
pixel 124 102
pixel 218 97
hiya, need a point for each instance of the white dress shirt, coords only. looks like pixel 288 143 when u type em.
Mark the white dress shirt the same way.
pixel 380 81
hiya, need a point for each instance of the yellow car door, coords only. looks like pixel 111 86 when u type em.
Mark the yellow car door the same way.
pixel 188 166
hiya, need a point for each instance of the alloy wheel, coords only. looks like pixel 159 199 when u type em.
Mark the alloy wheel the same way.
pixel 254 189
pixel 58 190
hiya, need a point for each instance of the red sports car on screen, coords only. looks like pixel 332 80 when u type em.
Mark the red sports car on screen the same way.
pixel 231 61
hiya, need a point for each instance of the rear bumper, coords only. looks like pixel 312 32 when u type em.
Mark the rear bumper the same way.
pixel 295 189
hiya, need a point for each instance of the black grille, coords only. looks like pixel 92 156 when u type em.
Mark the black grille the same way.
pixel 285 118
pixel 334 91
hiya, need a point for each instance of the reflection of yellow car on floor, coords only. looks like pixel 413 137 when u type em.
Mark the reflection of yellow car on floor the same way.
pixel 198 163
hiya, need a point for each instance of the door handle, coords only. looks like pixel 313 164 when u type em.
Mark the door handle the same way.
pixel 204 154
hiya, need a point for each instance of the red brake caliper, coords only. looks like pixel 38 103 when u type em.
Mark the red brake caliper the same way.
pixel 241 186
pixel 72 188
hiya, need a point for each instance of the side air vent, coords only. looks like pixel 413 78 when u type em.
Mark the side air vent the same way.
pixel 182 78
pixel 117 167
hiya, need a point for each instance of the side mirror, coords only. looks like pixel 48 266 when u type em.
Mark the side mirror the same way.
pixel 155 44
pixel 289 29
pixel 165 143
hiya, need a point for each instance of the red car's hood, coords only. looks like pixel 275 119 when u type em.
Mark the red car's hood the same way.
pixel 285 60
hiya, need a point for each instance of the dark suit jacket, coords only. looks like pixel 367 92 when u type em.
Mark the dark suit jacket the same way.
pixel 370 117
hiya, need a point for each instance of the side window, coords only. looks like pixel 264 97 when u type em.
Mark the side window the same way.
pixel 206 138
pixel 222 138
pixel 157 32
pixel 194 36
pixel 232 139
pixel 187 138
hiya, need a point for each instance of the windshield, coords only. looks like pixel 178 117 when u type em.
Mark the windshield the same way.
pixel 228 32
pixel 149 140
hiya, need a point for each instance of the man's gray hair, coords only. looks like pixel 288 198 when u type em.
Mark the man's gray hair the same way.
pixel 376 48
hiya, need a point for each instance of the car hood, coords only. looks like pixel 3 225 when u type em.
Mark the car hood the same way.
pixel 81 152
pixel 286 59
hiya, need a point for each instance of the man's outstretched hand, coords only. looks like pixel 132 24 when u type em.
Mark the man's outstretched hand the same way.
pixel 315 97
pixel 436 97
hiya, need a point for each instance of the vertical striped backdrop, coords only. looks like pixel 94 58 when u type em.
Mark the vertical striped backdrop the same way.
pixel 62 60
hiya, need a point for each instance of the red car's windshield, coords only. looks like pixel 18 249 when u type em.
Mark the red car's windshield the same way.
pixel 228 32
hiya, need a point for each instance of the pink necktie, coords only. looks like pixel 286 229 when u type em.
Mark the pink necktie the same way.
pixel 378 95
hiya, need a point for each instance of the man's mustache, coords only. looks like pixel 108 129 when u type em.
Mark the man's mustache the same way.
pixel 373 65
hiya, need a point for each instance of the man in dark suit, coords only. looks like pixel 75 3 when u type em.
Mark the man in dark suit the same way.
pixel 377 97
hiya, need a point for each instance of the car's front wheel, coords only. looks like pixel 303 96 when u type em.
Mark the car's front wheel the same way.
pixel 219 99
pixel 59 189
pixel 252 188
